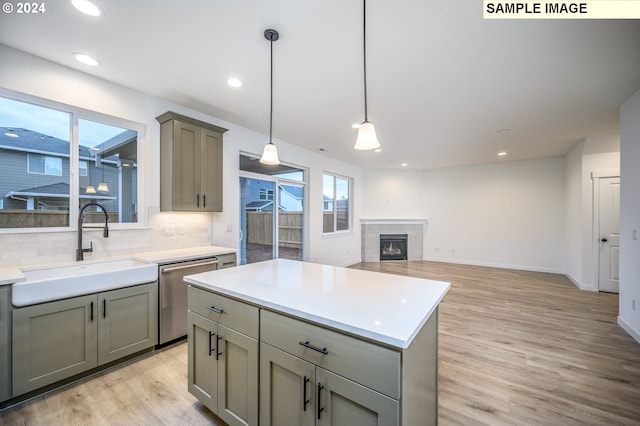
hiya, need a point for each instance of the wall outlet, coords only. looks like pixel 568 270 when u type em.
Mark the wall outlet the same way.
pixel 168 230
pixel 180 229
pixel 228 228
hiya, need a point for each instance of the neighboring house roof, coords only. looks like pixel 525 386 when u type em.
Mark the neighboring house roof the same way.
pixel 30 141
pixel 55 190
pixel 260 205
pixel 295 191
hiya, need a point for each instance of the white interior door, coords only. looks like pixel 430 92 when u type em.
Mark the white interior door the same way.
pixel 609 234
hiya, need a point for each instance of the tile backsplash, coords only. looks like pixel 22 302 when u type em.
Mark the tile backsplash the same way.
pixel 165 231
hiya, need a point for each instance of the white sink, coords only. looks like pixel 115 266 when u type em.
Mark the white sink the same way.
pixel 60 282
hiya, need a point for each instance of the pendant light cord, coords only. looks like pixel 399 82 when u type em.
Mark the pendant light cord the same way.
pixel 271 94
pixel 364 54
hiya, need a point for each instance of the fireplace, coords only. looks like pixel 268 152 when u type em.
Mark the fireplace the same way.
pixel 393 246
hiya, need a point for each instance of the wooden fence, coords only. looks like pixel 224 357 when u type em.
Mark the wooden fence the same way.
pixel 49 218
pixel 260 228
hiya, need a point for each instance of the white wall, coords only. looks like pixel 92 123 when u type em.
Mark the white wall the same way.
pixel 573 214
pixel 393 194
pixel 30 75
pixel 629 318
pixel 505 214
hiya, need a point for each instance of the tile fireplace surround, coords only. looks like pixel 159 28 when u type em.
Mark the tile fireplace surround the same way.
pixel 372 228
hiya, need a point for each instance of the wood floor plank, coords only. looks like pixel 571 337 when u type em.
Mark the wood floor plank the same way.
pixel 516 348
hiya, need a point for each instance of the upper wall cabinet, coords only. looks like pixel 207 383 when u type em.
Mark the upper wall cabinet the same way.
pixel 190 164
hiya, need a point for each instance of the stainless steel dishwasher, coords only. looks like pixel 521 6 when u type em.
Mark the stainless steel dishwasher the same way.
pixel 172 321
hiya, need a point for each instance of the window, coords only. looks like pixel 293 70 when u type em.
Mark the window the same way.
pixel 43 165
pixel 50 172
pixel 266 194
pixel 336 203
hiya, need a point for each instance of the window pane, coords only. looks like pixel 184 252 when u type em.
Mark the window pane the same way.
pixel 83 168
pixel 327 203
pixel 111 175
pixel 34 158
pixel 342 204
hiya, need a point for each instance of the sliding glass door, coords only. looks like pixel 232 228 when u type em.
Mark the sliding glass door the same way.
pixel 271 211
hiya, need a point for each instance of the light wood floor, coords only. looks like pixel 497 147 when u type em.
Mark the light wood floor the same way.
pixel 516 348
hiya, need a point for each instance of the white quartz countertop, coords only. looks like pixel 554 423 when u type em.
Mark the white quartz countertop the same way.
pixel 178 255
pixel 13 274
pixel 386 308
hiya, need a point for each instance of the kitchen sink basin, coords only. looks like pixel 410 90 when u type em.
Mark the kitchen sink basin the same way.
pixel 60 282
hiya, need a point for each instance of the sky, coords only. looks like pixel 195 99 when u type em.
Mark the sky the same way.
pixel 52 122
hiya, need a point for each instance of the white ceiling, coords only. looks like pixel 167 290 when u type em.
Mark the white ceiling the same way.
pixel 441 80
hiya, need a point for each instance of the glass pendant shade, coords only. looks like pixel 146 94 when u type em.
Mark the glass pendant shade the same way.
pixel 90 190
pixel 367 138
pixel 270 155
pixel 103 187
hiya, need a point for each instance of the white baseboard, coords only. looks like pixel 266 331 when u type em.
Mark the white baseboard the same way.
pixel 629 329
pixel 495 265
pixel 579 285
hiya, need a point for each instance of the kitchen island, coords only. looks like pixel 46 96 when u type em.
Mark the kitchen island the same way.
pixel 284 341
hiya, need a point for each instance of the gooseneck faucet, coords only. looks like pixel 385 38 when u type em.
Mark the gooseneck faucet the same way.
pixel 81 251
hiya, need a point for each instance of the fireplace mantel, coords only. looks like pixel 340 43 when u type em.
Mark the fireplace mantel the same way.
pixel 372 228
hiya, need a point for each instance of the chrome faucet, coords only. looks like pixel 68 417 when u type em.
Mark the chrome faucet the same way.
pixel 81 251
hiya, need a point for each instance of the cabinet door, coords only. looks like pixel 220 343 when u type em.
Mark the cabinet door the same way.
pixel 341 402
pixel 53 341
pixel 186 166
pixel 128 321
pixel 237 377
pixel 203 372
pixel 211 171
pixel 5 346
pixel 287 389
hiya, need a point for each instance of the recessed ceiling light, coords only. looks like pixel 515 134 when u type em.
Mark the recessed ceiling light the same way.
pixel 11 135
pixel 86 59
pixel 377 150
pixel 502 153
pixel 87 7
pixel 503 131
pixel 234 82
pixel 404 164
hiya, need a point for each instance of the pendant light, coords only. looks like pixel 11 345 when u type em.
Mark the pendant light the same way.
pixel 366 132
pixel 102 186
pixel 270 152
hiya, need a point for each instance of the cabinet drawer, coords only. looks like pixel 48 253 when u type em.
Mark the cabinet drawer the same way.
pixel 236 315
pixel 226 260
pixel 366 363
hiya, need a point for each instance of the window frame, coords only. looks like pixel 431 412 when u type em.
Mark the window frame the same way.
pixel 76 114
pixel 46 157
pixel 335 231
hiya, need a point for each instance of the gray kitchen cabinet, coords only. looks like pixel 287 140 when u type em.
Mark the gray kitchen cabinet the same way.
pixel 53 341
pixel 223 356
pixel 5 342
pixel 295 388
pixel 190 164
pixel 56 340
pixel 128 321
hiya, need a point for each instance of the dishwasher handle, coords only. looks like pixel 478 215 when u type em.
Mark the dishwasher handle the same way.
pixel 191 265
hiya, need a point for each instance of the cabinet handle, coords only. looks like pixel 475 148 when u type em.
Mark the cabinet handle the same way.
pixel 320 408
pixel 91 312
pixel 218 354
pixel 305 401
pixel 210 348
pixel 104 308
pixel 204 200
pixel 216 310
pixel 306 344
pixel 198 200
